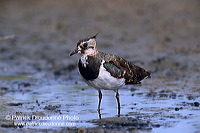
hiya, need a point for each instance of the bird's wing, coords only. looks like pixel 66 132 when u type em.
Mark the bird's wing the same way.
pixel 120 68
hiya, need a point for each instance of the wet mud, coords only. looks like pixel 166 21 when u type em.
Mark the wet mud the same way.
pixel 40 87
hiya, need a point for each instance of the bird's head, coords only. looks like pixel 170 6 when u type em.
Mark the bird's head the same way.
pixel 86 46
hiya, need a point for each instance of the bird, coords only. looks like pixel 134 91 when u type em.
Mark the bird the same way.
pixel 106 71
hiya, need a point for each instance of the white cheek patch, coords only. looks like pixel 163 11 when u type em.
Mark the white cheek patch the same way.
pixel 89 51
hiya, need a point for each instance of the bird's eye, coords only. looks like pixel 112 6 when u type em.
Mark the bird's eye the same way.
pixel 85 45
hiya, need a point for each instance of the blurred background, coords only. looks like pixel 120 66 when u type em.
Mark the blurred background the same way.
pixel 37 36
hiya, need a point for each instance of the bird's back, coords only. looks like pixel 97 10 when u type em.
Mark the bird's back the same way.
pixel 120 68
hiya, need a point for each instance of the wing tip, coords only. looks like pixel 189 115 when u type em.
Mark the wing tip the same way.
pixel 148 75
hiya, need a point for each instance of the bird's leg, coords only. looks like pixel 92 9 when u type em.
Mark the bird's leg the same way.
pixel 118 102
pixel 100 97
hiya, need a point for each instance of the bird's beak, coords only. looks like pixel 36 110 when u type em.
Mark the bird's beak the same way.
pixel 74 52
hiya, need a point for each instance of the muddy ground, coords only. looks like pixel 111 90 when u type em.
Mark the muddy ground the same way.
pixel 41 90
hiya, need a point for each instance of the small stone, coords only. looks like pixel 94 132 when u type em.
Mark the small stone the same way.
pixel 156 125
pixel 14 104
pixel 50 107
pixel 190 97
pixel 27 84
pixel 196 104
pixel 176 109
pixel 3 89
pixel 173 95
pixel 163 95
pixel 57 73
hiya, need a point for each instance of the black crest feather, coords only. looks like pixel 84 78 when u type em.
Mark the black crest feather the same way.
pixel 95 35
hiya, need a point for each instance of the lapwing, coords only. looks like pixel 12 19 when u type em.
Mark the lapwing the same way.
pixel 106 71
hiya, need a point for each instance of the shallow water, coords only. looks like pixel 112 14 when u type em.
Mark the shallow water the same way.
pixel 38 78
pixel 55 104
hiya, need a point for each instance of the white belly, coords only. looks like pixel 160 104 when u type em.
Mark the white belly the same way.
pixel 106 81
